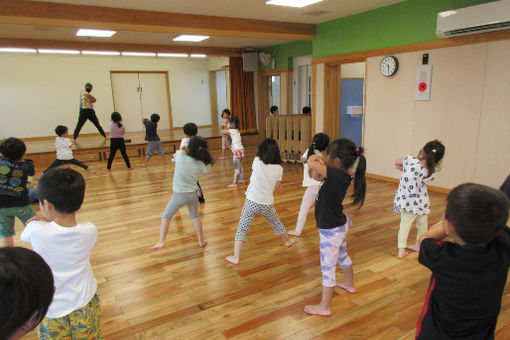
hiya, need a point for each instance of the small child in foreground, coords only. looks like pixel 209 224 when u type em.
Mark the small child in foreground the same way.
pixel 65 244
pixel 468 274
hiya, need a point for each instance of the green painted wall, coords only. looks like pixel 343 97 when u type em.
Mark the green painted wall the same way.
pixel 285 52
pixel 407 22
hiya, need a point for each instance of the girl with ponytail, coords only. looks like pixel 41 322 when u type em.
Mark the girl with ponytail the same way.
pixel 344 161
pixel 412 199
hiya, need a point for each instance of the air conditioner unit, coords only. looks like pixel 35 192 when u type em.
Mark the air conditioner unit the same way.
pixel 488 17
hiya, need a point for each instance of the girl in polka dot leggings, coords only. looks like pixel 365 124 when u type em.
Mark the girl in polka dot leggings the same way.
pixel 412 199
pixel 265 178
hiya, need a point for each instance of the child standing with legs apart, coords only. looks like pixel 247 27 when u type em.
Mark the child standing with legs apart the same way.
pixel 468 274
pixel 225 144
pixel 412 199
pixel 64 152
pixel 188 164
pixel 14 202
pixel 237 150
pixel 65 245
pixel 152 138
pixel 319 143
pixel 117 132
pixel 333 224
pixel 266 177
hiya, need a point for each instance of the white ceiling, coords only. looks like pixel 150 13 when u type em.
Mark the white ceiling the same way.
pixel 250 9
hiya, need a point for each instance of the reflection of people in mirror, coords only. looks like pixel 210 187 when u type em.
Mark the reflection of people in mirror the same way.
pixel 273 111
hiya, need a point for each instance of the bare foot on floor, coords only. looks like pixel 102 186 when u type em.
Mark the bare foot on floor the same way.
pixel 289 242
pixel 233 185
pixel 232 259
pixel 414 248
pixel 241 181
pixel 143 166
pixel 294 233
pixel 203 244
pixel 92 171
pixel 350 289
pixel 222 158
pixel 158 245
pixel 401 253
pixel 317 310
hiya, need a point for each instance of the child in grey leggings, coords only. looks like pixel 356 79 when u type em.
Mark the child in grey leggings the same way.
pixel 188 164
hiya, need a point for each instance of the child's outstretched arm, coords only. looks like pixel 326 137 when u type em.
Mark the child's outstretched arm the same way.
pixel 278 185
pixel 317 168
pixel 399 163
pixel 225 133
pixel 435 232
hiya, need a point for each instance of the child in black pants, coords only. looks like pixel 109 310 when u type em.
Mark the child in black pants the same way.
pixel 117 132
pixel 468 274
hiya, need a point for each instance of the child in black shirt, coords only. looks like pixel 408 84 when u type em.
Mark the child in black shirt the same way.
pixel 333 224
pixel 468 274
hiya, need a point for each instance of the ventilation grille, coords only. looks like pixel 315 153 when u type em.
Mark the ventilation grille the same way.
pixel 488 27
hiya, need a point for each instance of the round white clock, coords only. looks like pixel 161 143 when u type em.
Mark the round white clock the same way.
pixel 389 65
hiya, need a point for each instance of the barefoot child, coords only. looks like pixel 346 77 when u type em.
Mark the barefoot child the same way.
pixel 265 178
pixel 152 138
pixel 469 274
pixel 237 150
pixel 63 146
pixel 117 132
pixel 188 164
pixel 191 130
pixel 225 144
pixel 319 143
pixel 333 224
pixel 412 198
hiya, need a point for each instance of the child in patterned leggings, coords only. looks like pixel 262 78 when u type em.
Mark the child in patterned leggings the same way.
pixel 333 224
pixel 265 178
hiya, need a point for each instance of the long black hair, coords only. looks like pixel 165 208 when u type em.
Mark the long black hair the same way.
pixel 348 153
pixel 433 152
pixel 269 152
pixel 198 150
pixel 26 290
pixel 319 142
pixel 117 118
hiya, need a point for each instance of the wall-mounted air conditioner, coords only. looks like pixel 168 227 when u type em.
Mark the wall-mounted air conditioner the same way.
pixel 492 16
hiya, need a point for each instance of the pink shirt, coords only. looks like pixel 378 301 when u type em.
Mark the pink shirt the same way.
pixel 116 131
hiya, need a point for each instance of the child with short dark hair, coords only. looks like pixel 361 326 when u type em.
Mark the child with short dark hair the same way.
pixel 189 162
pixel 117 131
pixel 65 245
pixel 63 146
pixel 152 138
pixel 14 174
pixel 190 130
pixel 266 178
pixel 469 274
pixel 26 291
pixel 344 163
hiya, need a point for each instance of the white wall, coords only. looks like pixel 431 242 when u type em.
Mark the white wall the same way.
pixel 38 92
pixel 469 112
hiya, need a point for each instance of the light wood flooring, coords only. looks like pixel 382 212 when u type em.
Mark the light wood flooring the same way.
pixel 184 292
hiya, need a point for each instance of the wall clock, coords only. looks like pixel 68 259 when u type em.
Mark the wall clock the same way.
pixel 389 66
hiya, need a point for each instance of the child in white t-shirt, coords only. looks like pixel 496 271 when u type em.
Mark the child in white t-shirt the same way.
pixel 65 245
pixel 266 177
pixel 63 146
pixel 237 150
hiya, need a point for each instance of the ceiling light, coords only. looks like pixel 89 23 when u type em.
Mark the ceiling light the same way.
pixel 292 3
pixel 85 32
pixel 198 55
pixel 139 54
pixel 194 38
pixel 176 55
pixel 43 50
pixel 100 52
pixel 17 50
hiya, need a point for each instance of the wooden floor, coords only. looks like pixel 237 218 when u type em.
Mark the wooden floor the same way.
pixel 184 292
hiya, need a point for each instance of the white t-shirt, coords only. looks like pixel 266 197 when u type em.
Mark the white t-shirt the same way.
pixel 263 182
pixel 63 146
pixel 184 142
pixel 235 135
pixel 186 172
pixel 307 180
pixel 67 251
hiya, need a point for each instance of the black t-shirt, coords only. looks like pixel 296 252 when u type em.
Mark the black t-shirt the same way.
pixel 13 183
pixel 464 296
pixel 329 212
pixel 151 131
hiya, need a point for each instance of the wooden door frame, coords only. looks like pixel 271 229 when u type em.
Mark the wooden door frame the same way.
pixel 263 93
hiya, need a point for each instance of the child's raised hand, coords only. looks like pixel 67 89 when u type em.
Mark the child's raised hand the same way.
pixel 38 218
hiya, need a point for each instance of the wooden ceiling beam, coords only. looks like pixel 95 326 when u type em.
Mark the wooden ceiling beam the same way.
pixel 25 12
pixel 120 47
